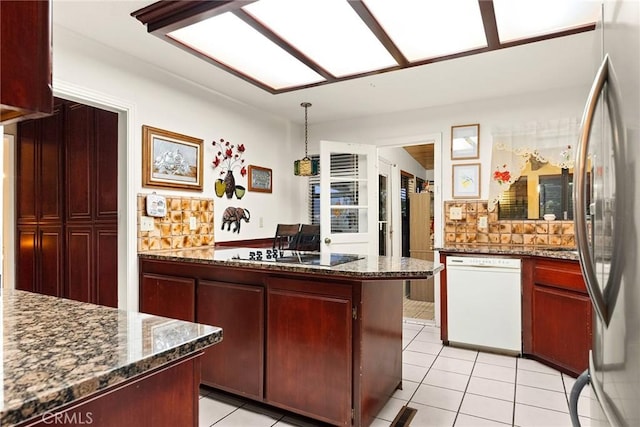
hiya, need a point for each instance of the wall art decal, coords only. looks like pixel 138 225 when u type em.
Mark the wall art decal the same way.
pixel 233 216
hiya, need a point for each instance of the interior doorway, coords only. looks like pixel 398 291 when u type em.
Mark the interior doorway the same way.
pixel 415 215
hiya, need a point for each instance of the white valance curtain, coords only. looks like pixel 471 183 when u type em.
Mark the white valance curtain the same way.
pixel 545 142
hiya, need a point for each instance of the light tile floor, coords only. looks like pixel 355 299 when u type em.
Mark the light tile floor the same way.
pixel 448 386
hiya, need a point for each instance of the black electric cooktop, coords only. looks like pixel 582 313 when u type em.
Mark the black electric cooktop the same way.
pixel 295 257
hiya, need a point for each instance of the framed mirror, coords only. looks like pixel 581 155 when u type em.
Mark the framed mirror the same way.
pixel 465 142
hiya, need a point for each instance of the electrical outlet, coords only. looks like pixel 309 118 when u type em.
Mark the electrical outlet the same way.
pixel 192 223
pixel 261 222
pixel 455 212
pixel 482 222
pixel 146 223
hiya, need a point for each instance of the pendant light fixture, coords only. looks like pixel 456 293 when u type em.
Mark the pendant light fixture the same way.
pixel 305 166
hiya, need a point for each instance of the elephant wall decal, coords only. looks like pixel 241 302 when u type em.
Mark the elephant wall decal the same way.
pixel 233 216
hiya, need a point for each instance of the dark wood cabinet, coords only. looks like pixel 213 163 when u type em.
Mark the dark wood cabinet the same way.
pixel 237 363
pixel 329 348
pixel 25 60
pixel 168 296
pixel 558 310
pixel 39 259
pixel 39 170
pixel 66 179
pixel 309 349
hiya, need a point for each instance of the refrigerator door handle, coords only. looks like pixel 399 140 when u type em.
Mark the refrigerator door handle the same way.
pixel 581 381
pixel 600 298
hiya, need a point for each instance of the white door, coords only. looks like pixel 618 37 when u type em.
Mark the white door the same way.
pixel 348 198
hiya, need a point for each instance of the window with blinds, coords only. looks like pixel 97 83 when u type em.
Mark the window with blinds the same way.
pixel 344 219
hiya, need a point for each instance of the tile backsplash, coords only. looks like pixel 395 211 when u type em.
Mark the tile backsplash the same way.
pixel 466 232
pixel 172 231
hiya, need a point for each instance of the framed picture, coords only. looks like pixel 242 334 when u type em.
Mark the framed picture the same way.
pixel 466 181
pixel 171 160
pixel 260 179
pixel 465 142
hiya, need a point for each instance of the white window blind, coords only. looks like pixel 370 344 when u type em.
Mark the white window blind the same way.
pixel 343 193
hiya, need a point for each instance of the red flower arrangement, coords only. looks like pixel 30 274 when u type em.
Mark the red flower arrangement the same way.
pixel 228 157
pixel 502 177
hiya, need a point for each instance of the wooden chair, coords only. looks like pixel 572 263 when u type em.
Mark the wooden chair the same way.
pixel 285 236
pixel 308 238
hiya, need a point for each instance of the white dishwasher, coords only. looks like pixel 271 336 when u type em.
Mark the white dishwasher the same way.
pixel 484 303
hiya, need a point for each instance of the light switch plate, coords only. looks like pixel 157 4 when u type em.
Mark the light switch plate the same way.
pixel 192 223
pixel 455 212
pixel 482 221
pixel 146 223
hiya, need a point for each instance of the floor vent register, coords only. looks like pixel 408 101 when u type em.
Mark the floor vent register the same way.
pixel 404 417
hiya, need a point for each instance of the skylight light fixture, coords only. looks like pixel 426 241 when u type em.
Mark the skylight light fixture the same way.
pixel 286 45
pixel 521 19
pixel 329 32
pixel 427 29
pixel 305 166
pixel 232 42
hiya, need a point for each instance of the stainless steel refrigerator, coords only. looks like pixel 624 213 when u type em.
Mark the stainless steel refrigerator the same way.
pixel 607 220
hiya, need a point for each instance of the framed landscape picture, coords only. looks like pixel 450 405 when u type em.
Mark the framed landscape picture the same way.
pixel 171 160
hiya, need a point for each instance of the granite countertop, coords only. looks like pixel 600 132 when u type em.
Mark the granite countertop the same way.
pixel 367 267
pixel 566 253
pixel 55 350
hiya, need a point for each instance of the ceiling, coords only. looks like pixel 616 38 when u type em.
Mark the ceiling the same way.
pixel 504 72
pixel 284 45
pixel 423 154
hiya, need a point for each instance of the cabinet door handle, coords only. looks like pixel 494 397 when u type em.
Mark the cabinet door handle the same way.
pixel 601 298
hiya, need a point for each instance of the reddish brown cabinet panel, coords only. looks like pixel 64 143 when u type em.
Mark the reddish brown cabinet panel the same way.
pixel 168 296
pixel 91 152
pixel 39 259
pixel 25 60
pixel 237 363
pixel 309 364
pixel 79 271
pixel 558 310
pixel 39 170
pixel 66 176
pixel 106 265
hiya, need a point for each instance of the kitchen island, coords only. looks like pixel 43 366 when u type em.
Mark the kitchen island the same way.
pixel 71 363
pixel 315 334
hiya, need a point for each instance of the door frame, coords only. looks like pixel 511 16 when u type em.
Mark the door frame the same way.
pixel 404 141
pixel 128 161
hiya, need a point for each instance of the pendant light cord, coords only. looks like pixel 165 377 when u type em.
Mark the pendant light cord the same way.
pixel 306 105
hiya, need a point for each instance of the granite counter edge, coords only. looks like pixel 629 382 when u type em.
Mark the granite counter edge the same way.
pixel 46 403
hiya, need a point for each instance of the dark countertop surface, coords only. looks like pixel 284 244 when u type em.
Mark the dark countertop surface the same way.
pixel 566 253
pixel 360 266
pixel 55 351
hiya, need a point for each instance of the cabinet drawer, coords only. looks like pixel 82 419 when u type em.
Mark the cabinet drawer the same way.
pixel 560 274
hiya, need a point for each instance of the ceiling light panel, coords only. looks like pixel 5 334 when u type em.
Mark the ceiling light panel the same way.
pixel 230 41
pixel 529 18
pixel 329 32
pixel 424 29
